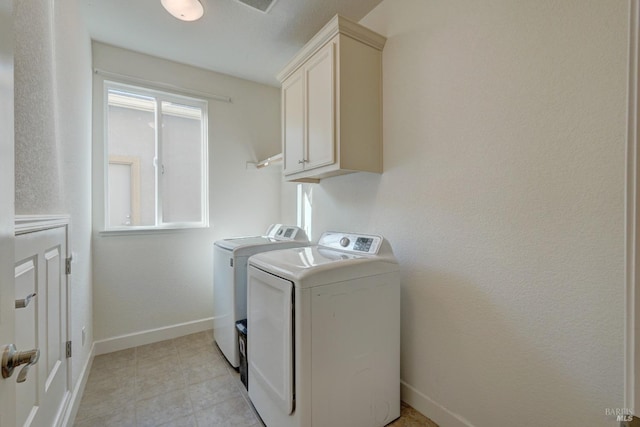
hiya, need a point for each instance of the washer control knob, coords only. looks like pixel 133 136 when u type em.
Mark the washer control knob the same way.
pixel 344 242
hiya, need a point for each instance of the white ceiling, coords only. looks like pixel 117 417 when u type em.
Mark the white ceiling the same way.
pixel 230 38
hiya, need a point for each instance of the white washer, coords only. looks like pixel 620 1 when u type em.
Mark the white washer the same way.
pixel 323 333
pixel 230 280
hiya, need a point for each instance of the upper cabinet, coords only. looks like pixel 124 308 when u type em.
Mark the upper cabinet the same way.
pixel 332 104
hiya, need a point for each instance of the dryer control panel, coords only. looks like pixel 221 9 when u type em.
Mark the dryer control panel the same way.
pixel 350 242
pixel 286 232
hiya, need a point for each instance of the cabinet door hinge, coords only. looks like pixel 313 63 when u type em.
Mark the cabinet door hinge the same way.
pixel 67 268
pixel 68 349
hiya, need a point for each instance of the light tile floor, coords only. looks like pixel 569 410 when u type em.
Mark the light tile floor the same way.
pixel 184 382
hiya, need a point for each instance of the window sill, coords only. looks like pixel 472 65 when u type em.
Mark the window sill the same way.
pixel 132 231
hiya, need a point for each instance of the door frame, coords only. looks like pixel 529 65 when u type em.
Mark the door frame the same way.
pixel 7 205
pixel 632 220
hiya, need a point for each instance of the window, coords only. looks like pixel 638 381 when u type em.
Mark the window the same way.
pixel 156 159
pixel 305 207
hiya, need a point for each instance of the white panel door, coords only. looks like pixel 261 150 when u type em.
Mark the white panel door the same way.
pixel 321 107
pixel 40 269
pixel 26 321
pixel 270 336
pixel 7 386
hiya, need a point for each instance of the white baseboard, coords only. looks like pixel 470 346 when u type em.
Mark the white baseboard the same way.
pixel 136 339
pixel 78 391
pixel 434 411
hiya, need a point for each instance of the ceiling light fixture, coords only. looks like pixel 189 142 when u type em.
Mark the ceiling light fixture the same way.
pixel 185 10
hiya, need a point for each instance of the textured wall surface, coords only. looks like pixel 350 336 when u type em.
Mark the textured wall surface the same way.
pixel 38 174
pixel 144 282
pixel 503 198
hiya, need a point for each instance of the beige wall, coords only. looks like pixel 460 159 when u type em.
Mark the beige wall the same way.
pixel 148 281
pixel 503 198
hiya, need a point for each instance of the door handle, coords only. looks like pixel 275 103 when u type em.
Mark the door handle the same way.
pixel 22 303
pixel 11 358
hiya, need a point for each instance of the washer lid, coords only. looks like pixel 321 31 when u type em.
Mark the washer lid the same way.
pixel 298 259
pixel 314 265
pixel 277 233
pixel 239 242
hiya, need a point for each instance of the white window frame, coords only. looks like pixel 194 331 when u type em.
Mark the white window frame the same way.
pixel 160 96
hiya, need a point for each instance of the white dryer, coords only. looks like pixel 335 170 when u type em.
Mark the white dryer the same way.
pixel 230 280
pixel 323 333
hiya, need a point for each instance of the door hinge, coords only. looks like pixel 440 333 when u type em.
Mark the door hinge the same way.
pixel 68 349
pixel 67 268
pixel 230 262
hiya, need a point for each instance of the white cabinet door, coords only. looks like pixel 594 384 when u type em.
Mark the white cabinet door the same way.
pixel 7 386
pixel 341 103
pixel 308 111
pixel 270 337
pixel 320 111
pixel 293 123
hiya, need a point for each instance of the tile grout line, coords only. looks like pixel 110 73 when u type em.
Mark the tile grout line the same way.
pixel 187 387
pixel 235 379
pixel 135 385
pixel 185 380
pixel 244 393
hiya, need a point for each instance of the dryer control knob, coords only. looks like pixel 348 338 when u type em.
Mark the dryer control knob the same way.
pixel 344 242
